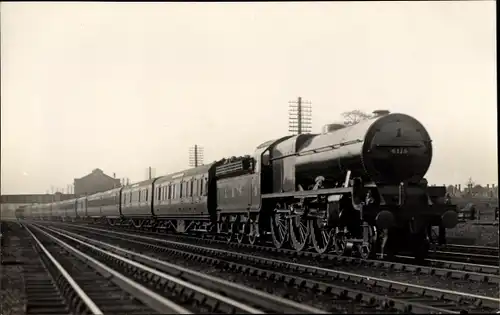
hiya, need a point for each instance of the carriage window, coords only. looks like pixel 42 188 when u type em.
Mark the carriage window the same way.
pixel 140 193
pixel 130 199
pixel 158 192
pixel 173 191
pixel 147 194
pixel 194 187
pixel 169 192
pixel 181 190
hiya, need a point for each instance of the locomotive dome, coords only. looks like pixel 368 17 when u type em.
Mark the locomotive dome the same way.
pixel 380 112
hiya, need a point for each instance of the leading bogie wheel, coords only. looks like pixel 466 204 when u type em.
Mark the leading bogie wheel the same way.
pixel 339 242
pixel 367 249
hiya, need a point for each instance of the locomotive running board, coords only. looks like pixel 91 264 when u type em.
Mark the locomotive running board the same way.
pixel 309 193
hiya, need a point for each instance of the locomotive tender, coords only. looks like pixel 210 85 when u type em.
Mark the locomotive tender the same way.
pixel 352 188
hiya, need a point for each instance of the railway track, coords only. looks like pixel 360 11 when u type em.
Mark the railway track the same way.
pixel 47 286
pixel 439 257
pixel 465 257
pixel 477 254
pixel 57 283
pixel 356 292
pixel 193 292
pixel 99 288
pixel 457 262
pixel 482 250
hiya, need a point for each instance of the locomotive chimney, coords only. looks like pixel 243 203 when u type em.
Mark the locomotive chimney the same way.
pixel 380 112
pixel 332 127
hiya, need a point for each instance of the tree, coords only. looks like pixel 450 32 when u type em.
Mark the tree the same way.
pixel 470 183
pixel 353 117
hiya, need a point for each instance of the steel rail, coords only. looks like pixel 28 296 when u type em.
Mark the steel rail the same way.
pixel 78 290
pixel 148 297
pixel 183 283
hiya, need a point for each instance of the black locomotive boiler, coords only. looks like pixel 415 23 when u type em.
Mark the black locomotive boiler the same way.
pixel 358 188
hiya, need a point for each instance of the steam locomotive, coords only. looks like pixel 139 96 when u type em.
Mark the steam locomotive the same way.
pixel 351 189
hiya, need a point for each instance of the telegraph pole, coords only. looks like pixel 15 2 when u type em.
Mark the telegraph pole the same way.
pixel 150 172
pixel 299 116
pixel 195 156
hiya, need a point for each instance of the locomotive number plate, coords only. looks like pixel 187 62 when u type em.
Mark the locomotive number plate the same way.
pixel 399 151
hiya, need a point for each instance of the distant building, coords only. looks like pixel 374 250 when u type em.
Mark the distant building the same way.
pixel 95 182
pixel 9 203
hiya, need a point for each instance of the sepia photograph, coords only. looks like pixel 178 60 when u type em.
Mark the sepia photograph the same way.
pixel 302 157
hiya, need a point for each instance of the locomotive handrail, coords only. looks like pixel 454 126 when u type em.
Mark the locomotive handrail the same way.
pixel 310 193
pixel 332 146
pixel 317 150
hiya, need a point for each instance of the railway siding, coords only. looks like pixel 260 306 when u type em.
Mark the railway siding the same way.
pixel 373 292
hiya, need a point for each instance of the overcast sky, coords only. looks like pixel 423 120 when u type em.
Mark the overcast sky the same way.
pixel 124 86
